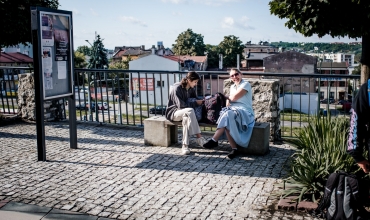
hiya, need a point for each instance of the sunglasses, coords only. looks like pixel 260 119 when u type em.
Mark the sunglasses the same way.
pixel 234 75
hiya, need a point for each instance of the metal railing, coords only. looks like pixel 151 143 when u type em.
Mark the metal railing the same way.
pixel 128 97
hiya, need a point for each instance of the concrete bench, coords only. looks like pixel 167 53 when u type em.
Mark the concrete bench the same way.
pixel 158 131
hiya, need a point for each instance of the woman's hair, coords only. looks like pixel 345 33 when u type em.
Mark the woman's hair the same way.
pixel 236 70
pixel 192 75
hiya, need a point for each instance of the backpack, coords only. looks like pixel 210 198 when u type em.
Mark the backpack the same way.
pixel 212 107
pixel 342 198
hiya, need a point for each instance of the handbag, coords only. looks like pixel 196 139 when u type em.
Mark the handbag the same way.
pixel 197 110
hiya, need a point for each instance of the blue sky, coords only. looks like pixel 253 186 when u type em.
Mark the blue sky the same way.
pixel 145 22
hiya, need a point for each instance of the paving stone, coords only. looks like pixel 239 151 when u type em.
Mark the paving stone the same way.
pixel 112 174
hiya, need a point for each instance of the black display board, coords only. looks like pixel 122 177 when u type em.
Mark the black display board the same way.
pixel 55 51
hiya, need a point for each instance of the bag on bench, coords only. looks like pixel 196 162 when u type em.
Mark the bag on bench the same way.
pixel 212 108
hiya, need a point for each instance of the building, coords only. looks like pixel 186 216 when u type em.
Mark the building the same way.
pixel 255 53
pixel 19 48
pixel 9 77
pixel 135 52
pixel 151 87
pixel 336 57
pixel 293 62
pixel 336 87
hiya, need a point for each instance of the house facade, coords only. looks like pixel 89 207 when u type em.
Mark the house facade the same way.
pixel 293 62
pixel 9 77
pixel 153 88
pixel 336 87
pixel 136 52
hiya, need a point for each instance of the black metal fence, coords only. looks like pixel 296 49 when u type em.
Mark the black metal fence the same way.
pixel 128 97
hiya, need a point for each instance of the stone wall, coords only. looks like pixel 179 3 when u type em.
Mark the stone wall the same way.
pixel 265 102
pixel 53 110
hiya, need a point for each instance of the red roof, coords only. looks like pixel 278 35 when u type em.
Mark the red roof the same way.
pixel 182 58
pixel 14 58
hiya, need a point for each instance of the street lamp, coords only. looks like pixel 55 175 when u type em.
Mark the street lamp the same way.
pixel 95 85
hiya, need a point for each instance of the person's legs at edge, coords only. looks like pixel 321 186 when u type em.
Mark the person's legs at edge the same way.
pixel 190 127
pixel 234 148
pixel 212 143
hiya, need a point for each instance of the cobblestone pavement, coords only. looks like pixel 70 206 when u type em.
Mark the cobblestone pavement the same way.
pixel 113 174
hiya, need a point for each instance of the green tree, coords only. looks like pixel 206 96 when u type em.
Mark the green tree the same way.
pixel 212 56
pixel 189 43
pixel 98 57
pixel 357 70
pixel 120 65
pixel 229 48
pixel 79 60
pixel 15 20
pixel 84 49
pixel 320 17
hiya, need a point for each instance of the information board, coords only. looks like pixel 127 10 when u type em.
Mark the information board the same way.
pixel 56 47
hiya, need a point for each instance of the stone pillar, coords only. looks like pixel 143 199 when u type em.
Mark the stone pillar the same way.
pixel 26 97
pixel 53 110
pixel 265 102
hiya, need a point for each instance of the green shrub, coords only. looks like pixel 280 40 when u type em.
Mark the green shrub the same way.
pixel 321 150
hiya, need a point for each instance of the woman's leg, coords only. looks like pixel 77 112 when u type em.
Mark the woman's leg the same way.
pixel 189 123
pixel 230 139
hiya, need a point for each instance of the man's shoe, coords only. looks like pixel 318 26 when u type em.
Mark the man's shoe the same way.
pixel 233 154
pixel 185 149
pixel 200 141
pixel 210 144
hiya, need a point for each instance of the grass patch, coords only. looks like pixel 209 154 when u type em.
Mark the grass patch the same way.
pixel 290 131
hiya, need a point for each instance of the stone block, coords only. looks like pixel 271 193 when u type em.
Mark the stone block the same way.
pixel 287 203
pixel 259 143
pixel 157 132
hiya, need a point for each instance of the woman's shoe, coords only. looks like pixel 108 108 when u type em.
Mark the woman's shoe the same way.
pixel 185 149
pixel 233 154
pixel 210 144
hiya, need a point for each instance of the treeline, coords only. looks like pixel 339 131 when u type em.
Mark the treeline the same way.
pixel 325 47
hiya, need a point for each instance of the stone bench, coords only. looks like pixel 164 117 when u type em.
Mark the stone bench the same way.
pixel 158 131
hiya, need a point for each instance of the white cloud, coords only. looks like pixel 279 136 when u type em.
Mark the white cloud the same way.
pixel 175 1
pixel 227 22
pixel 243 23
pixel 204 2
pixel 76 12
pixel 133 20
pixel 176 13
pixel 93 12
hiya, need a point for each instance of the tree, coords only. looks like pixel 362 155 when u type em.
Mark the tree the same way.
pixel 212 56
pixel 321 17
pixel 98 58
pixel 84 49
pixel 120 65
pixel 356 70
pixel 15 20
pixel 229 48
pixel 79 60
pixel 189 43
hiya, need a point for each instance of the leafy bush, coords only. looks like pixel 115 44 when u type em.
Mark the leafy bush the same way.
pixel 321 150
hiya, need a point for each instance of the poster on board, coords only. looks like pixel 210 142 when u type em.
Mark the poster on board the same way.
pixel 56 53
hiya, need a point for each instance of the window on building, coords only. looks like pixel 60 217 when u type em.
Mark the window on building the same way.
pixel 342 83
pixel 331 95
pixel 321 95
pixel 208 86
pixel 322 83
pixel 342 72
pixel 333 72
pixel 331 83
pixel 159 84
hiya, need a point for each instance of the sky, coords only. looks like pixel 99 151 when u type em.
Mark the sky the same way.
pixel 145 22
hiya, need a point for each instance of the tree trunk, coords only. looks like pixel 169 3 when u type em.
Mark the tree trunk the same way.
pixel 365 59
